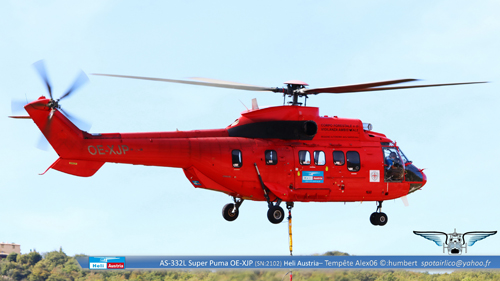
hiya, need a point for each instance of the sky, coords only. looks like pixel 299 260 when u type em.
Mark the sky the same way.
pixel 138 210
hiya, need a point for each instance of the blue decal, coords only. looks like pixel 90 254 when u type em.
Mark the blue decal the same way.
pixel 196 183
pixel 106 263
pixel 312 177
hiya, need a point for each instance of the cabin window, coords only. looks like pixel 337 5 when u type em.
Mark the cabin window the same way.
pixel 237 160
pixel 353 163
pixel 338 158
pixel 304 157
pixel 271 157
pixel 319 158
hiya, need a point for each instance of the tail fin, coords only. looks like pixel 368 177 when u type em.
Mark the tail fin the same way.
pixel 64 136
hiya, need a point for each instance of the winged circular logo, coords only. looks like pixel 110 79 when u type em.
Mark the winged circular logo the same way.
pixel 455 242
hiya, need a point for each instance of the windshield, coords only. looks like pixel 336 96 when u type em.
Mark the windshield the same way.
pixel 405 160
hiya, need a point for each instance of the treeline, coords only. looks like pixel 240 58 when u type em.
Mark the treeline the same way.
pixel 56 265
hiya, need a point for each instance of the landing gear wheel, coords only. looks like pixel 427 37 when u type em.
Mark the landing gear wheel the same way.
pixel 373 218
pixel 382 219
pixel 378 219
pixel 229 212
pixel 275 214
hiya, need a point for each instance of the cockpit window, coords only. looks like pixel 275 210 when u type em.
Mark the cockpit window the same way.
pixel 304 157
pixel 393 164
pixel 405 160
pixel 391 154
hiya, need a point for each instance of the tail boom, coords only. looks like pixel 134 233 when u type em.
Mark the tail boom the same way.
pixel 82 154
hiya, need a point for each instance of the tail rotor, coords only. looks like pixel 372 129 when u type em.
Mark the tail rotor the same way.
pixel 54 104
pixel 80 80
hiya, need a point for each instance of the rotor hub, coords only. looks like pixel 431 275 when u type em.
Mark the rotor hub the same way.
pixel 54 104
pixel 295 89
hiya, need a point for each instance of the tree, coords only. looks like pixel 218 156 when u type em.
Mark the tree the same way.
pixel 54 259
pixel 12 257
pixel 33 258
pixel 335 253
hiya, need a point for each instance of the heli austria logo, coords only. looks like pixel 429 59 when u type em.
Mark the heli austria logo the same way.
pixel 312 176
pixel 106 262
pixel 455 242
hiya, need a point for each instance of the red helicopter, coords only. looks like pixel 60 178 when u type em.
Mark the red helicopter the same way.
pixel 278 154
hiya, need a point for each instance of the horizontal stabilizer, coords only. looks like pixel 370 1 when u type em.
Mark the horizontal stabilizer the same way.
pixel 81 168
pixel 20 117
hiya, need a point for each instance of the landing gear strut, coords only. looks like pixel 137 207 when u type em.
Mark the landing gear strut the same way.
pixel 378 218
pixel 275 214
pixel 230 211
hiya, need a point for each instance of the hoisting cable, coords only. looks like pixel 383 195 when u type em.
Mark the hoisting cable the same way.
pixel 289 206
pixel 290 230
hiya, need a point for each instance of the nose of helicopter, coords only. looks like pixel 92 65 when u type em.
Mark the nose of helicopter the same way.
pixel 424 178
pixel 415 177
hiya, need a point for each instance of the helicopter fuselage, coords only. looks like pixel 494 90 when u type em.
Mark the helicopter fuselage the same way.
pixel 288 152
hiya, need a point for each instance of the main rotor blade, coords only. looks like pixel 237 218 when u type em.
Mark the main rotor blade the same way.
pixel 356 87
pixel 42 71
pixel 79 81
pixel 419 86
pixel 376 87
pixel 229 83
pixel 205 82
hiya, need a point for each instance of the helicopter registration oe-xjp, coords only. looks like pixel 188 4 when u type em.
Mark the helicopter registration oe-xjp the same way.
pixel 278 154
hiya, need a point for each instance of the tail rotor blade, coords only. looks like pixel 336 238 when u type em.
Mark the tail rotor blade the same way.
pixel 81 124
pixel 43 143
pixel 80 80
pixel 17 106
pixel 42 71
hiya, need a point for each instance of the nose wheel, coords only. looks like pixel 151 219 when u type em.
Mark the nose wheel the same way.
pixel 230 211
pixel 378 218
